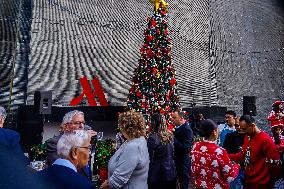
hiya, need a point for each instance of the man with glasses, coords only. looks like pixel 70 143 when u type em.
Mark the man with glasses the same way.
pixel 72 121
pixel 259 155
pixel 73 149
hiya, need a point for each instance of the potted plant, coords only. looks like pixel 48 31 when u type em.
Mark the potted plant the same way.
pixel 104 151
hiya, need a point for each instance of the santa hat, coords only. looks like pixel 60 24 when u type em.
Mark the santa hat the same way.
pixel 277 123
pixel 277 103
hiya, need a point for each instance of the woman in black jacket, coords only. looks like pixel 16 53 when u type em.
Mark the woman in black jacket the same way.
pixel 162 170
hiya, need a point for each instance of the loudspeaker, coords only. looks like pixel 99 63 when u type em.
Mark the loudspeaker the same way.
pixel 249 107
pixel 42 102
pixel 217 113
pixel 30 127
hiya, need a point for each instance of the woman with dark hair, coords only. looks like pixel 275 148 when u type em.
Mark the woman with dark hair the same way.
pixel 210 164
pixel 162 170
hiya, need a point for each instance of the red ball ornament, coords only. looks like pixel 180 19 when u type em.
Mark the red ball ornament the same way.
pixel 154 23
pixel 149 38
pixel 163 12
pixel 162 111
pixel 154 70
pixel 138 94
pixel 173 82
pixel 150 53
pixel 142 50
pixel 166 32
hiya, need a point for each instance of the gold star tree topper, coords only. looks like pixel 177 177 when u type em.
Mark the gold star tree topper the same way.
pixel 157 3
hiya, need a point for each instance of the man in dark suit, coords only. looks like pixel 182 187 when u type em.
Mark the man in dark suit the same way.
pixel 10 138
pixel 14 173
pixel 182 146
pixel 73 120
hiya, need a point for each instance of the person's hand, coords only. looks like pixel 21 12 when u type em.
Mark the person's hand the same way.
pixel 281 114
pixel 105 185
pixel 91 133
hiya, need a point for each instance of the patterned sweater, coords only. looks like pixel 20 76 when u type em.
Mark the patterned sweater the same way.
pixel 211 166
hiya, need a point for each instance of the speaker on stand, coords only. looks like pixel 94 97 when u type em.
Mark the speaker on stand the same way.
pixel 31 119
pixel 249 107
pixel 43 102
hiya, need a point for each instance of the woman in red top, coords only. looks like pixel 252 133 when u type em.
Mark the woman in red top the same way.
pixel 211 166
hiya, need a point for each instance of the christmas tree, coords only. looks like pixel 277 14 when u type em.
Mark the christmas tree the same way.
pixel 154 86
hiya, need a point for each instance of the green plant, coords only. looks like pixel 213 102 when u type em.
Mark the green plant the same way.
pixel 104 150
pixel 38 152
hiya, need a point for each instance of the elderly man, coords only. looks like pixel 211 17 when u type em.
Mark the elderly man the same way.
pixel 73 149
pixel 72 121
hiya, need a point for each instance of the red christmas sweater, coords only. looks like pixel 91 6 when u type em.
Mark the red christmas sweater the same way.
pixel 211 166
pixel 262 158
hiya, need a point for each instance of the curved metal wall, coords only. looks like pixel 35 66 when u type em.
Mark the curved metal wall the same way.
pixel 222 50
pixel 72 39
pixel 247 46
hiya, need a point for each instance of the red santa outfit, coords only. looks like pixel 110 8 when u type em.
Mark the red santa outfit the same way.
pixel 260 157
pixel 274 117
pixel 211 166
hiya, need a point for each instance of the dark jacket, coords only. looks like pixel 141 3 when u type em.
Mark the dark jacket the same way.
pixel 51 152
pixel 61 177
pixel 11 139
pixel 51 149
pixel 183 140
pixel 14 174
pixel 233 142
pixel 162 166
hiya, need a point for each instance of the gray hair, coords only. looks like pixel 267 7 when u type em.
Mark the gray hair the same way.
pixel 69 140
pixel 3 113
pixel 68 116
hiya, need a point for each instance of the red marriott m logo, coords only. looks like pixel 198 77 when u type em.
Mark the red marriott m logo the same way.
pixel 87 91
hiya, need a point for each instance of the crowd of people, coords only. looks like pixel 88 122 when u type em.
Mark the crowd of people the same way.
pixel 233 155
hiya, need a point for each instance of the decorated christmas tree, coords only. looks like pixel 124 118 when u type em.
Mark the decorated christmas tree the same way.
pixel 154 86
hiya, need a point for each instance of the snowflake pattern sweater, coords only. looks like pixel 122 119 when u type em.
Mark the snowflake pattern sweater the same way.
pixel 211 166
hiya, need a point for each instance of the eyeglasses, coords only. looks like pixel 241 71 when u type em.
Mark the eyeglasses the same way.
pixel 86 147
pixel 78 123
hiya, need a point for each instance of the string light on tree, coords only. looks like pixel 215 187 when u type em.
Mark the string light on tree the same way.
pixel 154 86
